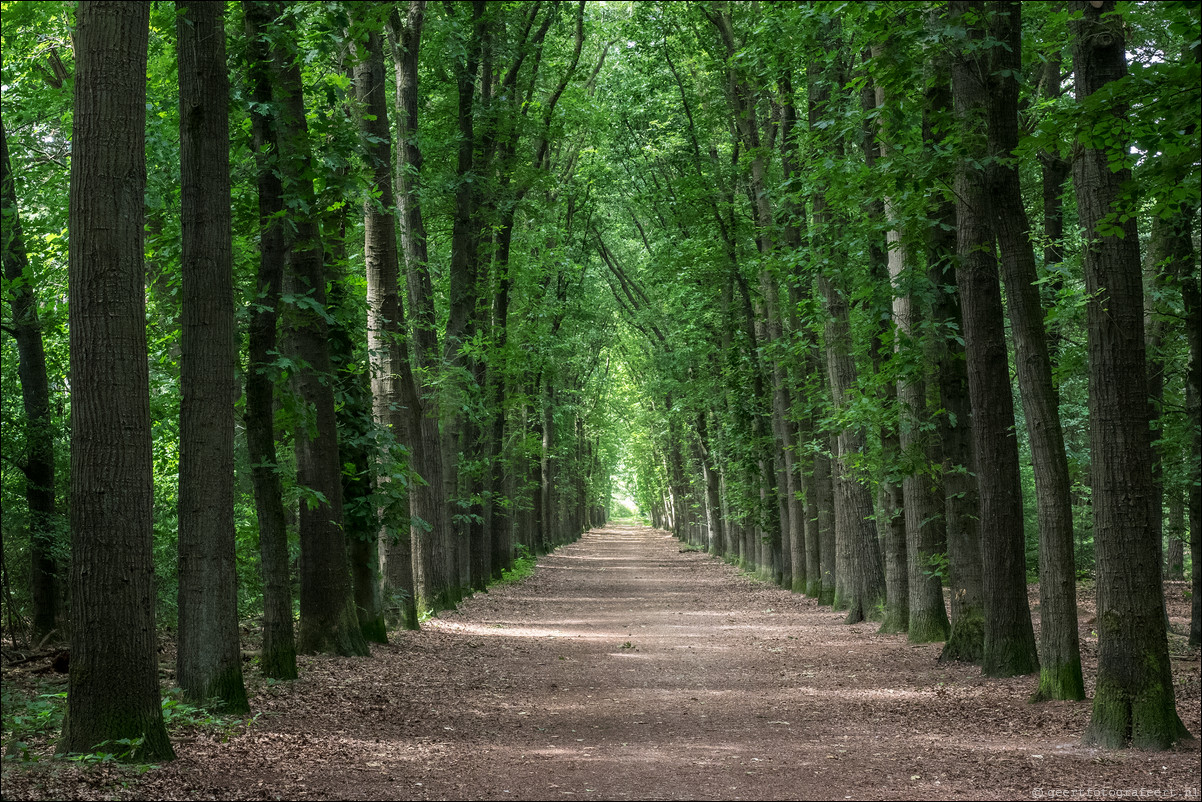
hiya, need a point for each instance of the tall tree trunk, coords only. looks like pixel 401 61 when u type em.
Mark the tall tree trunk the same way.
pixel 891 517
pixel 38 464
pixel 859 570
pixel 428 504
pixel 1191 296
pixel 209 663
pixel 957 472
pixel 1053 173
pixel 1009 636
pixel 825 500
pixel 328 621
pixel 1059 650
pixel 1133 700
pixel 278 657
pixel 113 686
pixel 396 407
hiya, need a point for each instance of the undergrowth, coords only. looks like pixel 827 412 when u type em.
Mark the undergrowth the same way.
pixel 523 566
pixel 31 721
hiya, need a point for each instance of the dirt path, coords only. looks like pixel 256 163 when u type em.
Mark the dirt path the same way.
pixel 626 669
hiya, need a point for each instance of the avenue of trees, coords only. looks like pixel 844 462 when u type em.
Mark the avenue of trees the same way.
pixel 319 314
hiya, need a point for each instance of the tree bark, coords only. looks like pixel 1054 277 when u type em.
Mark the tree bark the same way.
pixel 328 621
pixel 38 464
pixel 396 406
pixel 1009 636
pixel 113 686
pixel 1133 700
pixel 957 472
pixel 209 663
pixel 278 657
pixel 1059 650
pixel 428 504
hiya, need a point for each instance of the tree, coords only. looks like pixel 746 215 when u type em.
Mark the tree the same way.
pixel 38 464
pixel 113 688
pixel 1059 651
pixel 278 658
pixel 209 663
pixel 396 406
pixel 428 509
pixel 1009 638
pixel 328 619
pixel 1133 700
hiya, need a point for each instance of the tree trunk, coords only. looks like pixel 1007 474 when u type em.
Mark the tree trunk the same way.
pixel 209 663
pixel 113 687
pixel 957 472
pixel 1133 700
pixel 396 406
pixel 278 659
pixel 328 622
pixel 1009 636
pixel 1191 297
pixel 38 464
pixel 825 495
pixel 891 507
pixel 1059 650
pixel 428 505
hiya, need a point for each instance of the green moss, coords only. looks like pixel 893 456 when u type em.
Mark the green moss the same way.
pixel 826 596
pixel 798 586
pixel 374 630
pixel 966 643
pixel 1145 718
pixel 814 589
pixel 894 622
pixel 409 618
pixel 1060 681
pixel 929 628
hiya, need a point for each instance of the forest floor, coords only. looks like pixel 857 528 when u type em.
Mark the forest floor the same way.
pixel 628 667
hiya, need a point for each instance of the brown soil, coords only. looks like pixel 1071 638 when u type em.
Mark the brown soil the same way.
pixel 626 668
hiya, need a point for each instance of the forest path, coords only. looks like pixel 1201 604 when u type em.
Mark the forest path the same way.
pixel 626 668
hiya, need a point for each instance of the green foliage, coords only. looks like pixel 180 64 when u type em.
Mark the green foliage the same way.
pixel 524 564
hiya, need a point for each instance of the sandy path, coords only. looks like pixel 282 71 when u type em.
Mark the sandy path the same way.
pixel 626 669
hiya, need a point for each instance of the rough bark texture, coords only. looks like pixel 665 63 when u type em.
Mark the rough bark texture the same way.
pixel 825 519
pixel 278 656
pixel 1009 636
pixel 209 664
pixel 885 256
pixel 113 687
pixel 431 531
pixel 328 622
pixel 859 571
pixel 396 407
pixel 38 463
pixel 1191 295
pixel 957 471
pixel 1059 650
pixel 1133 701
pixel 927 616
